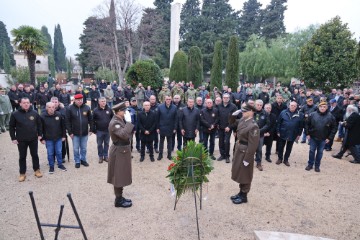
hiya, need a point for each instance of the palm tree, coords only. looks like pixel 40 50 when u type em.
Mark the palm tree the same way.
pixel 32 43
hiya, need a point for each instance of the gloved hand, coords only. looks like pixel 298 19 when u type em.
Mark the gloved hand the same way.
pixel 236 112
pixel 127 116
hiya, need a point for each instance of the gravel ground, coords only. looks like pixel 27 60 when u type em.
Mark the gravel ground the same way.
pixel 287 199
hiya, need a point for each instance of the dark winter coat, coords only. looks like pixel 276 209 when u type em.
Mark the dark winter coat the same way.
pixel 78 120
pixel 147 122
pixel 352 125
pixel 53 126
pixel 189 120
pixel 321 126
pixel 25 126
pixel 290 125
pixel 102 118
pixel 262 120
pixel 167 119
pixel 209 117
pixel 224 113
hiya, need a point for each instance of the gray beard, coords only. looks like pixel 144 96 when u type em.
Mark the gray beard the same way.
pixel 347 115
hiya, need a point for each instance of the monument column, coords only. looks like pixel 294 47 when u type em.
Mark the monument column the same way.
pixel 175 30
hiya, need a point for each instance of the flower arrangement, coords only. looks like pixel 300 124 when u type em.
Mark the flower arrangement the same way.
pixel 190 168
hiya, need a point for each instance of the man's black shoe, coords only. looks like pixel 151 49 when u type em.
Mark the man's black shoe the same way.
pixel 142 159
pixel 287 163
pixel 212 157
pixel 355 162
pixel 268 159
pixel 221 158
pixel 317 169
pixel 169 157
pixel 328 149
pixel 303 142
pixel 308 168
pixel 160 156
pixel 77 165
pixel 227 160
pixel 338 156
pixel 84 163
pixel 122 203
pixel 152 159
pixel 236 196
pixel 241 199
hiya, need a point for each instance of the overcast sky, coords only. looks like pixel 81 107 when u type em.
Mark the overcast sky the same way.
pixel 71 14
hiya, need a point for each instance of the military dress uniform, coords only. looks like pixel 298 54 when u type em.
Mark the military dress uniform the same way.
pixel 248 135
pixel 119 168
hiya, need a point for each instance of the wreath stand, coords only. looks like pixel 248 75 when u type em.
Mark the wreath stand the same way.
pixel 58 226
pixel 189 163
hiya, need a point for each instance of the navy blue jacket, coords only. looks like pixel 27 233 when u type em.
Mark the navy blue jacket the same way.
pixel 290 125
pixel 167 119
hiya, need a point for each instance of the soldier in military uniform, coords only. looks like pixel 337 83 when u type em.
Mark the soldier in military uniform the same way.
pixel 119 168
pixel 163 93
pixel 248 135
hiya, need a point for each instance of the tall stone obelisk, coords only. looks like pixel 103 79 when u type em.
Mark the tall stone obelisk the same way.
pixel 175 29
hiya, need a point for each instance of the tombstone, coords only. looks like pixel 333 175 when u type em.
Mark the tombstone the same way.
pixel 267 235
pixel 175 29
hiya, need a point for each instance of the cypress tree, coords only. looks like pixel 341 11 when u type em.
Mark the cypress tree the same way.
pixel 190 25
pixel 6 59
pixel 52 65
pixel 217 66
pixel 178 70
pixel 195 66
pixel 272 24
pixel 45 32
pixel 232 64
pixel 59 50
pixel 4 39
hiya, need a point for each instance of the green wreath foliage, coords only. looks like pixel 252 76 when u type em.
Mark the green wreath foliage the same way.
pixel 190 168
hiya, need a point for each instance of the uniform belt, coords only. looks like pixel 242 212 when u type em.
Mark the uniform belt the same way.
pixel 243 143
pixel 119 144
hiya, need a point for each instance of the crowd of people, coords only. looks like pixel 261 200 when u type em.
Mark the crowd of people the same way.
pixel 179 113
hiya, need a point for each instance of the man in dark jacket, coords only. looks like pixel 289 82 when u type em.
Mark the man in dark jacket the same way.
pixel 209 118
pixel 25 131
pixel 269 135
pixel 14 97
pixel 262 120
pixel 154 107
pixel 189 121
pixel 338 114
pixel 224 131
pixel 147 130
pixel 128 92
pixel 264 95
pixel 179 106
pixel 352 126
pixel 78 121
pixel 54 133
pixel 276 108
pixel 102 116
pixel 167 125
pixel 289 128
pixel 42 97
pixel 306 110
pixel 102 86
pixel 94 97
pixel 320 129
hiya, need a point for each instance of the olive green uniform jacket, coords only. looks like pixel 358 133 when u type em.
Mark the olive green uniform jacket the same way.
pixel 248 135
pixel 119 167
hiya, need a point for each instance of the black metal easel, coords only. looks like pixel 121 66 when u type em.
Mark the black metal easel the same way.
pixel 57 226
pixel 189 163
